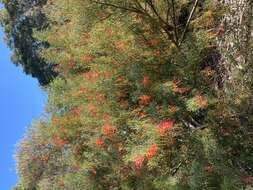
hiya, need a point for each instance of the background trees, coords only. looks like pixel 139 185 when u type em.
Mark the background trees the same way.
pixel 19 19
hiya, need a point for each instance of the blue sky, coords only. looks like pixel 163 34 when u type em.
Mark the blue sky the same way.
pixel 21 100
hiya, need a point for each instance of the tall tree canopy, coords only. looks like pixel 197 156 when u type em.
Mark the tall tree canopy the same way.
pixel 19 19
pixel 146 98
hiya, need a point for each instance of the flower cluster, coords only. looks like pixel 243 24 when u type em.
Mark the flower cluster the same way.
pixel 58 141
pixel 87 58
pixel 200 101
pixel 138 161
pixel 99 142
pixel 151 151
pixel 76 111
pixel 108 129
pixel 144 99
pixel 165 125
pixel 146 81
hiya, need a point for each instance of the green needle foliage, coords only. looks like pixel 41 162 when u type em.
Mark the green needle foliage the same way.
pixel 140 102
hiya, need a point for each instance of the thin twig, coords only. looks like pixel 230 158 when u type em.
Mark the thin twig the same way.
pixel 174 20
pixel 188 21
pixel 131 9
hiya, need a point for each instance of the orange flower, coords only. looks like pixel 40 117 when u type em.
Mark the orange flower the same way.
pixel 109 31
pixel 151 151
pixel 145 81
pixel 170 140
pixel 75 167
pixel 108 129
pixel 138 161
pixel 92 109
pixel 202 102
pixel 58 141
pixel 164 126
pixel 76 111
pixel 60 182
pixel 99 142
pixel 61 34
pixel 152 41
pixel 106 117
pixel 45 158
pixel 85 35
pixel 120 45
pixel 172 108
pixel 157 53
pixel 101 15
pixel 100 97
pixel 55 120
pixel 144 99
pixel 91 74
pixel 87 58
pixel 81 91
pixel 179 90
pixel 142 114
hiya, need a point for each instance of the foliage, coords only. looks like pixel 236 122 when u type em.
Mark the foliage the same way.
pixel 19 19
pixel 135 105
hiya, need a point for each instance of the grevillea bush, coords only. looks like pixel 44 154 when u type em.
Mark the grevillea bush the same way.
pixel 135 105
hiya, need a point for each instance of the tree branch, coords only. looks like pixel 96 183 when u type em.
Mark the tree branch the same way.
pixel 174 20
pixel 131 9
pixel 188 21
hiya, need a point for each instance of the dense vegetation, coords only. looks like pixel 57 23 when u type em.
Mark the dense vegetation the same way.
pixel 150 95
pixel 19 19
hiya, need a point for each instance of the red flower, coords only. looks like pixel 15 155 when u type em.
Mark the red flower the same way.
pixel 55 120
pixel 108 129
pixel 92 74
pixel 101 15
pixel 138 161
pixel 75 111
pixel 81 91
pixel 202 102
pixel 170 140
pixel 165 125
pixel 120 45
pixel 45 158
pixel 145 81
pixel 58 141
pixel 109 31
pixel 85 35
pixel 75 167
pixel 60 182
pixel 87 58
pixel 152 41
pixel 157 53
pixel 99 142
pixel 179 90
pixel 92 109
pixel 151 151
pixel 144 99
pixel 106 117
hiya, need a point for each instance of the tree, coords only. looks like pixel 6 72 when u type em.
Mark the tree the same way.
pixel 19 19
pixel 137 106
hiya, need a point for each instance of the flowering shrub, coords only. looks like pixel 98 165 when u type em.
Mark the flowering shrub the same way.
pixel 133 107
